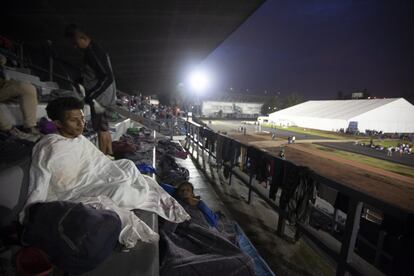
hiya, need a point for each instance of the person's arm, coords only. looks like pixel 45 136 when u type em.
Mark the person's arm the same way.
pixel 98 60
pixel 211 217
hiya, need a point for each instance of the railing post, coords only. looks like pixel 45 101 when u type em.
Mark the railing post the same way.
pixel 50 68
pixel 154 152
pixel 231 167
pixel 21 55
pixel 171 128
pixel 350 235
pixel 380 244
pixel 209 152
pixel 188 130
pixel 198 143
pixel 334 221
pixel 249 195
pixel 192 140
pixel 202 151
pixel 281 224
pixel 186 135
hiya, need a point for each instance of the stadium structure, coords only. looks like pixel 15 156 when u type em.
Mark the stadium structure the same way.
pixel 386 115
pixel 232 106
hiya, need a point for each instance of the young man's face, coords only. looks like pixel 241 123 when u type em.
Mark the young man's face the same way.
pixel 73 123
pixel 80 41
pixel 185 192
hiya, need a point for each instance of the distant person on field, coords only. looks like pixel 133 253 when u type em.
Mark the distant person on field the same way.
pixel 282 153
pixel 389 151
pixel 98 80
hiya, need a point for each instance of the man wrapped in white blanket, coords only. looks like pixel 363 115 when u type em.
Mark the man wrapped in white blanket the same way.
pixel 67 166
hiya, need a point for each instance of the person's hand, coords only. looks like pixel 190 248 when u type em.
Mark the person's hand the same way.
pixel 98 107
pixel 193 201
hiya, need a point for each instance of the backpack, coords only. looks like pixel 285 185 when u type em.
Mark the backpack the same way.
pixel 76 237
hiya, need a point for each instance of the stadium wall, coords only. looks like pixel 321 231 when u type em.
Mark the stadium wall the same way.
pixel 212 108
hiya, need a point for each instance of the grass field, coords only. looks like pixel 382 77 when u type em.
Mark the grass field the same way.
pixel 377 163
pixel 321 133
pixel 385 142
pixel 339 136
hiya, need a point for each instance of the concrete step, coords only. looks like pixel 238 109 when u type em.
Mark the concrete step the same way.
pixel 13 74
pixel 119 128
pixel 13 113
pixel 45 87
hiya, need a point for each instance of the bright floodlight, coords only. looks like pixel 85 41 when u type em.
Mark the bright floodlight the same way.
pixel 198 81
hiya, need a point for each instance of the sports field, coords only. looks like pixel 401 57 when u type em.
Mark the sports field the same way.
pixel 388 181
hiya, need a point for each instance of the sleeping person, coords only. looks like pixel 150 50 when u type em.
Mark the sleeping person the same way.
pixel 200 213
pixel 68 167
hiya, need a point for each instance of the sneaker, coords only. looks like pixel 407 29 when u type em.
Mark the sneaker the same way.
pixel 33 131
pixel 23 135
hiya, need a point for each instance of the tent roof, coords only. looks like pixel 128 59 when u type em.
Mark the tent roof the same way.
pixel 334 109
pixel 151 43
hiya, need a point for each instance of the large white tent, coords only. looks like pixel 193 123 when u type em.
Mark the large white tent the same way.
pixel 387 115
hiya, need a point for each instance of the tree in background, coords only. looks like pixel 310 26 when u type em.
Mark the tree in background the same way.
pixel 272 105
pixel 340 95
pixel 292 99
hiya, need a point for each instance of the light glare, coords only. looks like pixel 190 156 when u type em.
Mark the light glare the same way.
pixel 198 81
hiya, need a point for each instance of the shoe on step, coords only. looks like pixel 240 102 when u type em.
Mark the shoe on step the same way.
pixel 14 132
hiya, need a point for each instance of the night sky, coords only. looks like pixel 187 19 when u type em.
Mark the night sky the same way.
pixel 316 48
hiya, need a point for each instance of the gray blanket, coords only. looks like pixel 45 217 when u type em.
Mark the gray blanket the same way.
pixel 191 249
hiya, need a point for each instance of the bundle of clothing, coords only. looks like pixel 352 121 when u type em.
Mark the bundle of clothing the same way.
pixel 298 190
pixel 227 153
pixel 168 171
pixel 168 147
pixel 12 149
pixel 210 138
pixel 135 147
pixel 142 132
pixel 296 183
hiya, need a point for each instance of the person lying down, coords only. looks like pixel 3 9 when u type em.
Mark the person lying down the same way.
pixel 198 246
pixel 200 213
pixel 68 167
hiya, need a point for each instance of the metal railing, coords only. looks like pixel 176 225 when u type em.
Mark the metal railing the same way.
pixel 342 251
pixel 19 54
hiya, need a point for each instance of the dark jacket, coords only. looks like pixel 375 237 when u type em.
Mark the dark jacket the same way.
pixel 98 75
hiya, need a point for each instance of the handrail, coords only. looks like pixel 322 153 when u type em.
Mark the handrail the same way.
pixel 29 64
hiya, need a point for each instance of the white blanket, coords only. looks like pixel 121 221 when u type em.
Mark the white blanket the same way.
pixel 75 170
